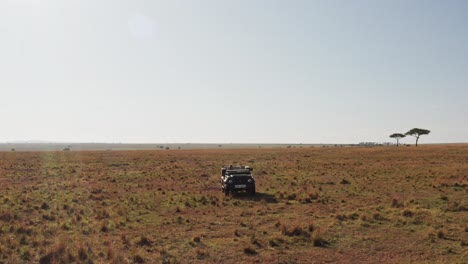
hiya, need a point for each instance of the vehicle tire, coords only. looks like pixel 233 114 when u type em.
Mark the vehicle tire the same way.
pixel 252 192
pixel 226 191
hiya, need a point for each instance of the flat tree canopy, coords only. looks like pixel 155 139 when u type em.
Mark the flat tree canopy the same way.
pixel 417 132
pixel 397 136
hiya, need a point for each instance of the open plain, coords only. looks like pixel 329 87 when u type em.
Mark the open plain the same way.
pixel 322 204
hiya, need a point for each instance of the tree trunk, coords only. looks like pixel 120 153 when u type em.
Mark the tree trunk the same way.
pixel 417 138
pixel 397 142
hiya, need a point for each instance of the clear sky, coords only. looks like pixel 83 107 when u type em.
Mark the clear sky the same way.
pixel 240 71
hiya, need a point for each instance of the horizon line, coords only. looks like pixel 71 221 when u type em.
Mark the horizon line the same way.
pixel 206 143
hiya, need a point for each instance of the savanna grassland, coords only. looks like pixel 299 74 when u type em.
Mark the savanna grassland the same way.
pixel 382 204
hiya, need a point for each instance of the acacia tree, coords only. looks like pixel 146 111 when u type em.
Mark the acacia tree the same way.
pixel 397 136
pixel 417 132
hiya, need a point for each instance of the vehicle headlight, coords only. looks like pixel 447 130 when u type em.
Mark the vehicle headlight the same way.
pixel 230 181
pixel 250 180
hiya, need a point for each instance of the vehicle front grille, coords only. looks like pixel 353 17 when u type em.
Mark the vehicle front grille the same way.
pixel 242 180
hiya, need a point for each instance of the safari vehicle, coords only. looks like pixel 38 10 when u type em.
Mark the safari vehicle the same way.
pixel 236 179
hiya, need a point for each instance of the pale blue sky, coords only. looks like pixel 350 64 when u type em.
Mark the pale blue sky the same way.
pixel 233 71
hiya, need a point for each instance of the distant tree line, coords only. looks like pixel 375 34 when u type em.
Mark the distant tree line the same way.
pixel 415 132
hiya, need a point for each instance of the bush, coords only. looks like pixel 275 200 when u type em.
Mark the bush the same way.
pixel 45 206
pixel 320 242
pixel 138 259
pixel 250 251
pixel 345 181
pixel 201 254
pixel 144 241
pixel 407 213
pixel 295 231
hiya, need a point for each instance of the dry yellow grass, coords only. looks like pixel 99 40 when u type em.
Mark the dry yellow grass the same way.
pixel 382 204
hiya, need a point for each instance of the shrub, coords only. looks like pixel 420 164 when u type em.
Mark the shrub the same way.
pixel 295 231
pixel 48 217
pixel 273 243
pixel 25 254
pixel 318 241
pixel 441 234
pixel 6 217
pixel 201 254
pixel 313 196
pixel 396 204
pixel 407 213
pixel 250 251
pixel 345 181
pixel 138 259
pixel 45 206
pixel 57 254
pixel 144 241
pixel 341 217
pixel 82 254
